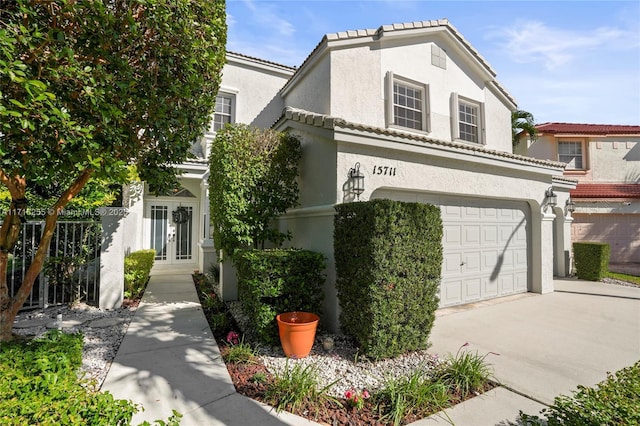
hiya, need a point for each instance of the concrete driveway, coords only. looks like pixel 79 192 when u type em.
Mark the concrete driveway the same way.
pixel 548 344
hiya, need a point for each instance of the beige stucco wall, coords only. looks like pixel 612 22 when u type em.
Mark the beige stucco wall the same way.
pixel 615 159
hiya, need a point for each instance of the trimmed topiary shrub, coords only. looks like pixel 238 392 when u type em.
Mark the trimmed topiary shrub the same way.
pixel 591 260
pixel 388 258
pixel 137 267
pixel 274 281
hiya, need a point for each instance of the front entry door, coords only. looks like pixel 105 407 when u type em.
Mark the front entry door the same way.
pixel 171 231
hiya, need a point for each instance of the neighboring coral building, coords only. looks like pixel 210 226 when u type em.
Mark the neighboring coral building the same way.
pixel 605 159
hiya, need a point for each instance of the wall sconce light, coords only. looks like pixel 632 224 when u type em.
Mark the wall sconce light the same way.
pixel 552 199
pixel 570 205
pixel 357 180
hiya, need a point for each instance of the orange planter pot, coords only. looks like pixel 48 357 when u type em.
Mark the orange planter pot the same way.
pixel 297 332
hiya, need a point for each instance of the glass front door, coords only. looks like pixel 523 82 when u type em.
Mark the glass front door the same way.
pixel 171 231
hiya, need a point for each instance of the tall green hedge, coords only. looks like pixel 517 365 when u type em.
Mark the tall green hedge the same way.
pixel 137 268
pixel 388 262
pixel 592 260
pixel 274 281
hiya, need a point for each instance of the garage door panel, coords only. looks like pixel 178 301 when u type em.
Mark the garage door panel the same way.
pixel 521 282
pixel 451 294
pixel 452 235
pixel 490 257
pixel 521 258
pixel 470 213
pixel 471 235
pixel 490 288
pixel 490 234
pixel 472 262
pixel 471 289
pixel 451 263
pixel 507 284
pixel 491 214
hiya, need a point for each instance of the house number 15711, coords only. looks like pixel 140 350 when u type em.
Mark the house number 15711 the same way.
pixel 384 170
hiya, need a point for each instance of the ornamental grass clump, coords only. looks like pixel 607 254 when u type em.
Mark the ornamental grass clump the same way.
pixel 416 394
pixel 464 373
pixel 295 387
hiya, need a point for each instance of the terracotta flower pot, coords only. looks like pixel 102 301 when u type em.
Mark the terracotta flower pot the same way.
pixel 297 332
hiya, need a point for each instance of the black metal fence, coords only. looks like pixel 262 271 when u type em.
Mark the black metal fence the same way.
pixel 71 271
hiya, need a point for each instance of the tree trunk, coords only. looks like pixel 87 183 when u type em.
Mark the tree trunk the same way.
pixel 10 306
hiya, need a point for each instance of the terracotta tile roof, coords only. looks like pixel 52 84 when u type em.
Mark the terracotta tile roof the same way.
pixel 588 129
pixel 606 190
pixel 330 122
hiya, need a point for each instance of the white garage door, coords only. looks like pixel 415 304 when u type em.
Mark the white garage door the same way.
pixel 485 246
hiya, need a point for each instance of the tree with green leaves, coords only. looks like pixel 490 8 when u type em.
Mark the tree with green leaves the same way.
pixel 91 87
pixel 522 122
pixel 252 181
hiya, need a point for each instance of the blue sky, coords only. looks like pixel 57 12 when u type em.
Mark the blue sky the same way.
pixel 563 61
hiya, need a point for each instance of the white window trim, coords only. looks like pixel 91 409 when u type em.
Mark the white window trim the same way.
pixel 426 120
pixel 455 122
pixel 232 115
pixel 583 146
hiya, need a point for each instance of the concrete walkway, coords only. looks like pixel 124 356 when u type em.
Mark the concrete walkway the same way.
pixel 169 360
pixel 548 344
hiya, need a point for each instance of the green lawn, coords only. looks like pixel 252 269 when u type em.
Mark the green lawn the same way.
pixel 624 277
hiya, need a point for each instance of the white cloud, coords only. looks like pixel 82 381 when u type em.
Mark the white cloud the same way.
pixel 266 16
pixel 535 42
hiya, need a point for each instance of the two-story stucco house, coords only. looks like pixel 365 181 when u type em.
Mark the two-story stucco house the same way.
pixel 418 112
pixel 605 159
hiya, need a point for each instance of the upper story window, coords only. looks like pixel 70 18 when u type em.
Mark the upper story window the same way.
pixel 467 119
pixel 224 112
pixel 407 103
pixel 571 152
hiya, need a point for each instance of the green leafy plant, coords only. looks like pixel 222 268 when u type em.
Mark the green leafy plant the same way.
pixel 137 268
pixel 296 387
pixel 259 377
pixel 237 351
pixel 274 281
pixel 465 372
pixel 416 393
pixel 388 258
pixel 614 401
pixel 39 386
pixel 252 181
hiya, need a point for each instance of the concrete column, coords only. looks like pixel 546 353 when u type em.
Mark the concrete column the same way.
pixel 546 252
pixel 112 259
pixel 568 248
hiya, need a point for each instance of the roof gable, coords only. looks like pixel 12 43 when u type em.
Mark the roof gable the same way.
pixel 409 29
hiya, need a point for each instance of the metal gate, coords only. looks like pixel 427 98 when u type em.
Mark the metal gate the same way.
pixel 71 271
